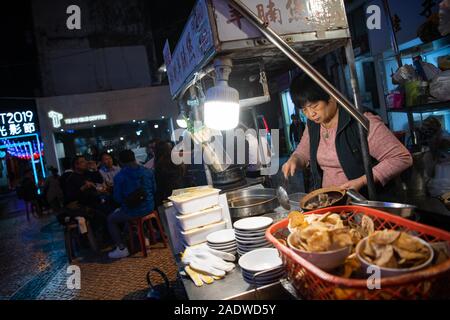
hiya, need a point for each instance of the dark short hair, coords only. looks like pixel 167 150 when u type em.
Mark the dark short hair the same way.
pixel 305 90
pixel 126 156
pixel 66 163
pixel 75 160
pixel 105 154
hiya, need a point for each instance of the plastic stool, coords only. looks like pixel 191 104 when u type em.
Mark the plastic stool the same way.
pixel 139 224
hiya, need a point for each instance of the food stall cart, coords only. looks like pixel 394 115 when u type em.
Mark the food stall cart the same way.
pixel 264 38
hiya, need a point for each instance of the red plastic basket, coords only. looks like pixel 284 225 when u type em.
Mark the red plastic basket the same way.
pixel 311 282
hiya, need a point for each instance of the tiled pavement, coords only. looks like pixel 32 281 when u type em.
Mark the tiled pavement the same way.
pixel 33 263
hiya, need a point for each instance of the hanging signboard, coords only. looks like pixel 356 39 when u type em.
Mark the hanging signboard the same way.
pixel 194 46
pixel 283 16
pixel 215 28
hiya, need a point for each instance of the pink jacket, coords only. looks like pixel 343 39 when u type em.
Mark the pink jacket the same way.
pixel 392 156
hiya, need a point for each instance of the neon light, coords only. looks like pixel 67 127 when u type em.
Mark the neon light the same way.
pixel 56 118
pixel 97 117
pixel 41 152
pixel 20 144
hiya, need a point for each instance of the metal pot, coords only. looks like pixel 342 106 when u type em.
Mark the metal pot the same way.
pixel 294 200
pixel 229 176
pixel 400 209
pixel 251 202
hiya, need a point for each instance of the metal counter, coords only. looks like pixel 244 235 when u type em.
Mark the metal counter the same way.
pixel 233 285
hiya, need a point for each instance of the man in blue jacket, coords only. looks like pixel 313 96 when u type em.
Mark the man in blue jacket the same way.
pixel 132 178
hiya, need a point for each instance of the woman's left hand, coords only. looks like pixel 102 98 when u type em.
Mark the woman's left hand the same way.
pixel 356 184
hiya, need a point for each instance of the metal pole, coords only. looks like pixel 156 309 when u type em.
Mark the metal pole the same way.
pixel 393 34
pixel 397 54
pixel 273 37
pixel 362 134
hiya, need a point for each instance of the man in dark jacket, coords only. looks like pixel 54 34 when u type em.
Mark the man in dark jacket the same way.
pixel 128 181
pixel 81 198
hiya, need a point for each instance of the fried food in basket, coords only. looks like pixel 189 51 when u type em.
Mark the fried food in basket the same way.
pixel 321 233
pixel 351 266
pixel 395 249
pixel 296 220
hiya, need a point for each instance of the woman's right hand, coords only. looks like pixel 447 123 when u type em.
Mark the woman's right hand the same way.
pixel 291 166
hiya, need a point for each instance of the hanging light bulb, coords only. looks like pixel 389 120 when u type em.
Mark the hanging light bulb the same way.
pixel 181 121
pixel 221 109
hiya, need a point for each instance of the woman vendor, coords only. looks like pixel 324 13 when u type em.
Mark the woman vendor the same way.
pixel 331 143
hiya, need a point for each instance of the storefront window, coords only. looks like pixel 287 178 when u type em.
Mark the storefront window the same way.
pixel 288 110
pixel 95 140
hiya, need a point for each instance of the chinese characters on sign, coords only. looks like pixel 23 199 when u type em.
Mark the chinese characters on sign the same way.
pixel 235 16
pixel 294 8
pixel 195 42
pixel 17 123
pixel 286 17
pixel 270 13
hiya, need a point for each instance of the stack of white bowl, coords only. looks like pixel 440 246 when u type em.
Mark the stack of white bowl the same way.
pixel 262 267
pixel 223 240
pixel 250 234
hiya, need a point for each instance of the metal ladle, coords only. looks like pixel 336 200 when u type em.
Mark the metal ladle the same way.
pixel 356 196
pixel 283 196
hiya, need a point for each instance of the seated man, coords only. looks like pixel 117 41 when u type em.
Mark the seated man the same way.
pixel 134 187
pixel 78 189
pixel 108 170
pixel 81 198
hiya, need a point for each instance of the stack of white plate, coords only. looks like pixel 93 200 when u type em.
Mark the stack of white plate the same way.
pixel 266 263
pixel 250 234
pixel 223 240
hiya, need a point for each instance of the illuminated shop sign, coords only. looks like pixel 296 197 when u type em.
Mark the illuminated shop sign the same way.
pixel 17 123
pixel 57 119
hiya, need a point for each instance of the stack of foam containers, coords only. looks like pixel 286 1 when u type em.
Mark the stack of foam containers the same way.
pixel 198 213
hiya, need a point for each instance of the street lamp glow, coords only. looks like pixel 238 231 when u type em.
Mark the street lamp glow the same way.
pixel 156 126
pixel 121 138
pixel 221 109
pixel 221 115
pixel 181 121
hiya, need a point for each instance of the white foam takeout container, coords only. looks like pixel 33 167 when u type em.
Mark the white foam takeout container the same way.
pixel 194 199
pixel 199 219
pixel 198 235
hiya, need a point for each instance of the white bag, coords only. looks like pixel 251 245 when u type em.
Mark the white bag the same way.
pixel 440 86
